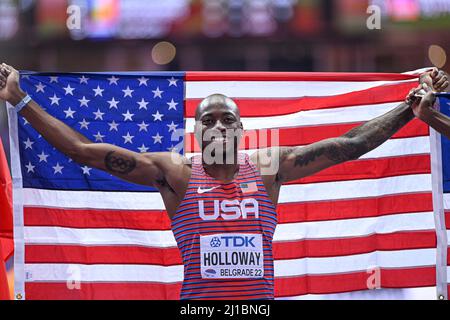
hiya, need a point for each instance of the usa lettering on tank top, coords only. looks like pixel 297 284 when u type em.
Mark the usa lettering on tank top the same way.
pixel 224 232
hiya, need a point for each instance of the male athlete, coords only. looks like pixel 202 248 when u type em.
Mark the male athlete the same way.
pixel 223 214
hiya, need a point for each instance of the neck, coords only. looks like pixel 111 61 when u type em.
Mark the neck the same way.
pixel 224 171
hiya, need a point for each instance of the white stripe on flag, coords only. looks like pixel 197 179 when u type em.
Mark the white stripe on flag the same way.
pixel 93 199
pixel 279 89
pixel 446 201
pixel 425 293
pixel 399 147
pixel 354 227
pixel 283 268
pixel 103 273
pixel 353 263
pixel 355 189
pixel 99 236
pixel 312 117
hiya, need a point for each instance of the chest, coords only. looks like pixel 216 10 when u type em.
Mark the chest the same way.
pixel 240 202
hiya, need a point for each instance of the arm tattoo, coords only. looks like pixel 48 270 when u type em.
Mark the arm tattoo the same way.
pixel 357 141
pixel 337 150
pixel 118 164
pixel 373 133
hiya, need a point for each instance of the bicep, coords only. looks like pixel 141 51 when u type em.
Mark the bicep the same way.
pixel 120 162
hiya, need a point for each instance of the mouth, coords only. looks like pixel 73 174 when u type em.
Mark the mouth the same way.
pixel 219 139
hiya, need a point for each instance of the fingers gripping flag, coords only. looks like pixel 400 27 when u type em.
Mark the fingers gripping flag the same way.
pixel 83 234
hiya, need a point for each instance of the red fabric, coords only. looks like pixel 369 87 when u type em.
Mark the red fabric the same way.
pixel 6 222
pixel 4 289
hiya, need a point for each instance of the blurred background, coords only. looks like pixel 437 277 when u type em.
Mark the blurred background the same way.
pixel 222 35
pixel 281 35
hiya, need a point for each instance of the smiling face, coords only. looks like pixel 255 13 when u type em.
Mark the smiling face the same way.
pixel 218 127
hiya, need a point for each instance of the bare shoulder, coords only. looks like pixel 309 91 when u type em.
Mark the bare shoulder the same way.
pixel 174 171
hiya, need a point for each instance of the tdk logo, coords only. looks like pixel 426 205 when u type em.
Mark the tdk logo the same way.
pixel 215 242
pixel 233 241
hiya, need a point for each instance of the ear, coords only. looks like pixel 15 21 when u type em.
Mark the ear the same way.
pixel 241 126
pixel 197 130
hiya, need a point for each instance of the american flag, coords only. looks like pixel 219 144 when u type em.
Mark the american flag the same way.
pixel 83 234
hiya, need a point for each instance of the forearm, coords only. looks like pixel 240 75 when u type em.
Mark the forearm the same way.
pixel 57 133
pixel 373 133
pixel 438 121
pixel 298 162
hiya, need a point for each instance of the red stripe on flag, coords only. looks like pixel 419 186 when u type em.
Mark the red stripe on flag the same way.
pixel 354 208
pixel 295 76
pixel 335 283
pixel 267 107
pixel 371 169
pixel 97 218
pixel 447 219
pixel 103 291
pixel 102 255
pixel 284 287
pixel 298 136
pixel 355 245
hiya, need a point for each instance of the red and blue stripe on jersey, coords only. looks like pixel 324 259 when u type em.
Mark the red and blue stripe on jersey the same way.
pixel 188 226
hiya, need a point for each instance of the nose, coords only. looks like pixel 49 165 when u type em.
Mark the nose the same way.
pixel 219 126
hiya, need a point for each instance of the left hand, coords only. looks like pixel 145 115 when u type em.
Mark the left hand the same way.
pixel 421 105
pixel 9 85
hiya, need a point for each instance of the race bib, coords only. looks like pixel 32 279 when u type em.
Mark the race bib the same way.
pixel 231 255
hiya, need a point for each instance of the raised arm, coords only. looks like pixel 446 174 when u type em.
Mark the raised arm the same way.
pixel 298 162
pixel 147 169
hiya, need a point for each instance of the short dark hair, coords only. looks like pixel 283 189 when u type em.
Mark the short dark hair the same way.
pixel 216 98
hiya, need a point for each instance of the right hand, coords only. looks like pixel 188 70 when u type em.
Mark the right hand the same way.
pixel 421 105
pixel 9 84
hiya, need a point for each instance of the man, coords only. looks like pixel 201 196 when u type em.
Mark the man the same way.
pixel 222 208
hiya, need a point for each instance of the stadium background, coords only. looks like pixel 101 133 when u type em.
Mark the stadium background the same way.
pixel 221 35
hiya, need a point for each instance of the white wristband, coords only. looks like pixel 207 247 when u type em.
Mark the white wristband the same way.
pixel 22 103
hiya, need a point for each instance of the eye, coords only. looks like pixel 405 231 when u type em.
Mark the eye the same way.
pixel 229 119
pixel 206 121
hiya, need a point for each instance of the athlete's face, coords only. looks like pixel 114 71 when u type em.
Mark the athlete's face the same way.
pixel 218 128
